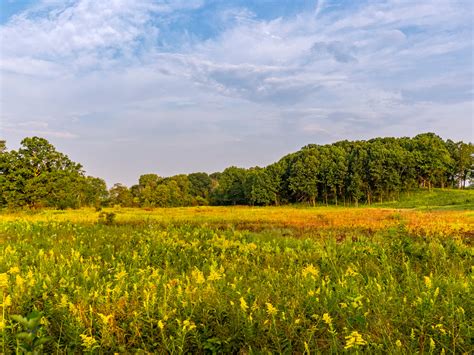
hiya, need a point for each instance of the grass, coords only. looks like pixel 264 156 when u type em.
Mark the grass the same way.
pixel 240 279
pixel 445 199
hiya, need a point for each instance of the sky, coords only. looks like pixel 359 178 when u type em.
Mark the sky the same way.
pixel 128 87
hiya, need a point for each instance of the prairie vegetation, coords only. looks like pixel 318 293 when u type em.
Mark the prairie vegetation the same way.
pixel 238 279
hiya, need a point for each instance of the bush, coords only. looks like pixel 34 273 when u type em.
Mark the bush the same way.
pixel 107 218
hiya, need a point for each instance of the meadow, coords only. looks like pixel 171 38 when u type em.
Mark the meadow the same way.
pixel 238 280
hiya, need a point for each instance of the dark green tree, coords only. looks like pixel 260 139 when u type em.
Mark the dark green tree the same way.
pixel 260 189
pixel 305 174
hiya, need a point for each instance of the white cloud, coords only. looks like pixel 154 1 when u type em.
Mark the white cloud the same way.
pixel 119 72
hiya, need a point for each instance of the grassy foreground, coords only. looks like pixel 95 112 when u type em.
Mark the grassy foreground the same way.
pixel 248 280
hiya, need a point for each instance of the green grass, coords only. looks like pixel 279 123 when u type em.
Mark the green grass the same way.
pixel 442 199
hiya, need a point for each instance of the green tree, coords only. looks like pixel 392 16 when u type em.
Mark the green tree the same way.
pixel 120 195
pixel 31 174
pixel 200 185
pixel 147 187
pixel 94 191
pixel 259 187
pixel 304 175
pixel 231 189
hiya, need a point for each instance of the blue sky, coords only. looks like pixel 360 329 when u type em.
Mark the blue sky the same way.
pixel 128 87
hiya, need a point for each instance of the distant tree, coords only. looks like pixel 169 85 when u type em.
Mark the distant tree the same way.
pixel 462 166
pixel 259 187
pixel 120 195
pixel 37 175
pixel 230 189
pixel 31 175
pixel 305 174
pixel 357 185
pixel 200 185
pixel 94 191
pixel 432 159
pixel 147 187
pixel 333 171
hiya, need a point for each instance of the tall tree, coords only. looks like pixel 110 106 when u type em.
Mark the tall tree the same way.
pixel 304 175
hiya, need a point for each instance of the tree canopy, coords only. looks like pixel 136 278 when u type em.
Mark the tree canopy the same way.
pixel 37 175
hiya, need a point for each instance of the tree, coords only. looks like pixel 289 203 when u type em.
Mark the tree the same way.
pixel 260 190
pixel 230 189
pixel 31 175
pixel 333 170
pixel 147 186
pixel 120 195
pixel 200 185
pixel 432 159
pixel 462 166
pixel 94 191
pixel 304 175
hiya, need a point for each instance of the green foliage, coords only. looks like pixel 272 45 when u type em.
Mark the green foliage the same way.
pixel 30 339
pixel 231 188
pixel 201 185
pixel 38 176
pixel 107 218
pixel 120 195
pixel 260 189
pixel 345 172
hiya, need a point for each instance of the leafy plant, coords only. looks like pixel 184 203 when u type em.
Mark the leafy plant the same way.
pixel 107 218
pixel 31 339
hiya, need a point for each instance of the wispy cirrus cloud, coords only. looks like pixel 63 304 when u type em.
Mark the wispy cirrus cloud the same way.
pixel 251 82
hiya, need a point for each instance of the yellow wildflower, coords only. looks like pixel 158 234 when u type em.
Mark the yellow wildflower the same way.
pixel 105 319
pixel 432 344
pixel 188 325
pixel 327 318
pixel 3 280
pixel 7 302
pixel 120 275
pixel 271 310
pixel 198 276
pixel 351 272
pixel 161 325
pixel 20 281
pixel 440 327
pixel 354 339
pixel 398 343
pixel 310 270
pixel 14 270
pixel 88 342
pixel 243 304
pixel 214 275
pixel 428 282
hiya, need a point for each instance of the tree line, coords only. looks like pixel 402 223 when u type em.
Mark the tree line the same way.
pixel 346 172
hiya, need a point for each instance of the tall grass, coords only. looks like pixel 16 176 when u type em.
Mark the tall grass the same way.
pixel 166 283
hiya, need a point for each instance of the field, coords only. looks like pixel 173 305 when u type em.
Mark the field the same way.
pixel 238 280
